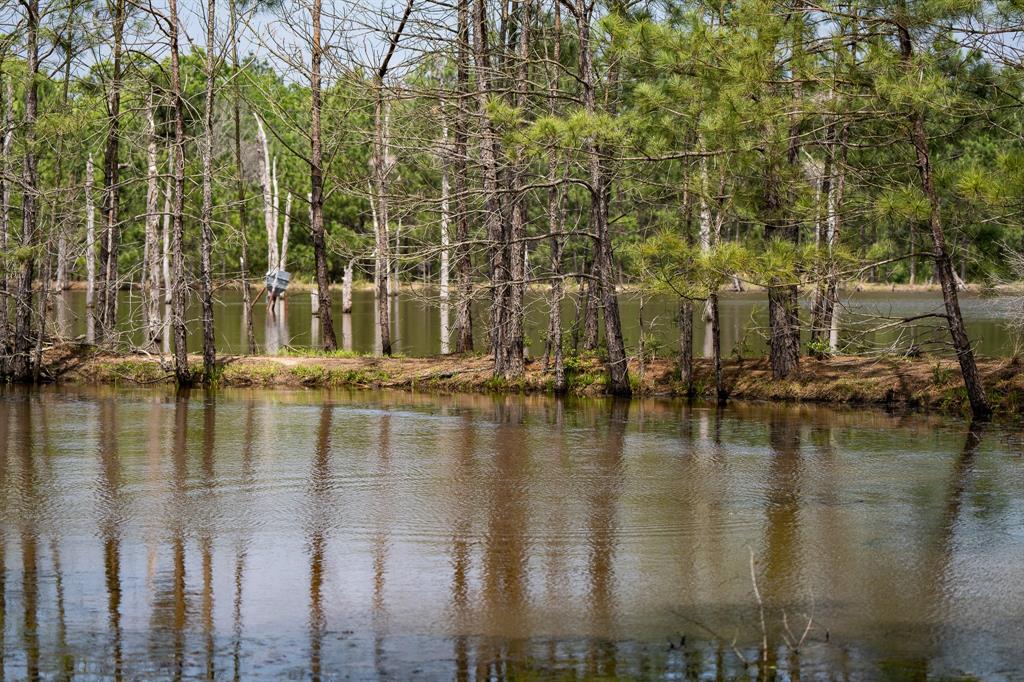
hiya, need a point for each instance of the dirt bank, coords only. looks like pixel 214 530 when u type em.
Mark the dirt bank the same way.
pixel 916 383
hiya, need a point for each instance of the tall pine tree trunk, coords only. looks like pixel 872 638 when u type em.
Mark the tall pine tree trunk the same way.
pixel 21 366
pixel 600 191
pixel 686 345
pixel 783 321
pixel 317 189
pixel 111 239
pixel 243 217
pixel 463 266
pixel 6 140
pixel 943 264
pixel 512 345
pixel 206 245
pixel 493 214
pixel 182 373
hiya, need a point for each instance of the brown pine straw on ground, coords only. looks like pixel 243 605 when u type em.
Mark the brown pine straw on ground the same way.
pixel 925 383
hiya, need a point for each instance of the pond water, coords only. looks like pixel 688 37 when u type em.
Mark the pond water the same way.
pixel 249 534
pixel 867 322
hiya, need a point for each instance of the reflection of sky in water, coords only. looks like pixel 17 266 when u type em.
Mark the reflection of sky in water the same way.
pixel 416 324
pixel 381 535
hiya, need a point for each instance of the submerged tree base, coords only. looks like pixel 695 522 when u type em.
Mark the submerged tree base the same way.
pixel 922 383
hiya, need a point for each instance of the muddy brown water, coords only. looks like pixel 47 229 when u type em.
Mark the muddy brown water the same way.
pixel 250 534
pixel 867 322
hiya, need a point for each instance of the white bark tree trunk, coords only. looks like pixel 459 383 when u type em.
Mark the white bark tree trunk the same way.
pixel 62 262
pixel 277 215
pixel 269 220
pixel 282 263
pixel 151 266
pixel 346 288
pixel 90 236
pixel 166 260
pixel 5 211
pixel 445 218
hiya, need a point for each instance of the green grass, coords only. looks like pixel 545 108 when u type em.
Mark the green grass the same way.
pixel 291 352
pixel 250 373
pixel 137 371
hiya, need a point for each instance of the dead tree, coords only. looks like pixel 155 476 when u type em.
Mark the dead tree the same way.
pixel 243 218
pixel 493 209
pixel 463 264
pixel 21 365
pixel 317 188
pixel 381 167
pixel 110 242
pixel 6 140
pixel 205 268
pixel 151 264
pixel 182 373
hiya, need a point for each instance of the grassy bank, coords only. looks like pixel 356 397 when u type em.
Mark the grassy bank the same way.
pixel 931 384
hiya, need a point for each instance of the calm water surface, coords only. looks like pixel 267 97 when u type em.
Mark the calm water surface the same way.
pixel 395 536
pixel 866 322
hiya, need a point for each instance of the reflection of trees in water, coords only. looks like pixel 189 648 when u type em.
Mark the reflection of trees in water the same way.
pixel 110 524
pixel 463 483
pixel 170 607
pixel 504 546
pixel 207 532
pixel 557 586
pixel 4 496
pixel 241 544
pixel 781 551
pixel 702 493
pixel 935 581
pixel 806 534
pixel 29 528
pixel 381 540
pixel 317 524
pixel 602 506
pixel 63 657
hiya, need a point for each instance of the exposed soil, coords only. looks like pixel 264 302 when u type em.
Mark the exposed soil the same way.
pixel 927 383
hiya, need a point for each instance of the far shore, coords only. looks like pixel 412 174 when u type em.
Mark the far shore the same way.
pixel 930 384
pixel 299 286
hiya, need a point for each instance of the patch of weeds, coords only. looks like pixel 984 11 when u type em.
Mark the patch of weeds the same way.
pixel 1010 400
pixel 819 348
pixel 310 375
pixel 130 370
pixel 248 374
pixel 582 381
pixel 358 377
pixel 217 374
pixel 954 398
pixel 941 375
pixel 292 352
pixel 195 368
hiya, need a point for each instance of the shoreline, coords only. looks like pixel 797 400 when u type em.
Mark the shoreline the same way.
pixel 924 384
pixel 303 287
